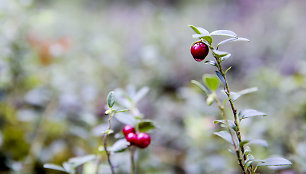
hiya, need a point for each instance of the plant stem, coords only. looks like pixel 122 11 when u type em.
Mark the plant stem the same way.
pixel 221 107
pixel 132 160
pixel 239 150
pixel 105 144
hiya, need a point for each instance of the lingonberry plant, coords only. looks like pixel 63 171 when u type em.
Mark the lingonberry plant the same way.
pixel 134 133
pixel 232 132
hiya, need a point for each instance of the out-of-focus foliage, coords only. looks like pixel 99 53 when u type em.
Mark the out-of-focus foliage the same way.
pixel 59 59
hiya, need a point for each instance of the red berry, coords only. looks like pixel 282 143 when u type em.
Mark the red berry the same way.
pixel 143 140
pixel 128 129
pixel 199 51
pixel 131 137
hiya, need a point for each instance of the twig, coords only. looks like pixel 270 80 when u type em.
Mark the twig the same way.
pixel 239 150
pixel 132 160
pixel 105 144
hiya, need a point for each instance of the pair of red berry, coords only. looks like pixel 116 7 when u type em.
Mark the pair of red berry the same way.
pixel 141 139
pixel 199 51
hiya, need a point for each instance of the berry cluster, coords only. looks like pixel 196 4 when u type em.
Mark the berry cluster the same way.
pixel 141 139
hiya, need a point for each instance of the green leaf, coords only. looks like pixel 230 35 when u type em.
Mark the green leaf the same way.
pixel 221 77
pixel 199 85
pixel 223 33
pixel 68 167
pixel 211 81
pixel 274 161
pixel 140 94
pixel 199 30
pixel 77 161
pixel 211 63
pixel 110 99
pixel 236 95
pixel 208 39
pixel 126 118
pixel 194 29
pixel 242 143
pixel 233 40
pixel 260 142
pixel 145 125
pixel 224 58
pixel 247 151
pixel 223 123
pixel 225 135
pixel 225 41
pixel 246 113
pixel 248 163
pixel 219 54
pixel 202 34
pixel 108 132
pixel 119 146
pixel 54 167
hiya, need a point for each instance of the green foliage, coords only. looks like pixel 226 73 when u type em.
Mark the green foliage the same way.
pixel 274 161
pixel 119 146
pixel 211 81
pixel 199 85
pixel 71 165
pixel 146 125
pixel 110 99
pixel 223 33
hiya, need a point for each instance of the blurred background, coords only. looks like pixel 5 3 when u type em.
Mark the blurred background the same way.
pixel 59 59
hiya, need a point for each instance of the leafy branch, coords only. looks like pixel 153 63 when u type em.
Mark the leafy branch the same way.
pixel 247 162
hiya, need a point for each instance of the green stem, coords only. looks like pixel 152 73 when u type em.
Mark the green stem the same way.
pixel 221 107
pixel 239 151
pixel 105 145
pixel 132 160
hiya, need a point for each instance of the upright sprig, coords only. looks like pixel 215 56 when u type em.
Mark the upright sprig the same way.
pixel 199 51
pixel 110 112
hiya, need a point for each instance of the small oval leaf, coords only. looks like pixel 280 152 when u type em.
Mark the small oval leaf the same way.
pixel 140 94
pixel 236 95
pixel 77 161
pixel 223 33
pixel 208 39
pixel 146 125
pixel 225 41
pixel 211 81
pixel 199 30
pixel 199 85
pixel 54 167
pixel 119 146
pixel 219 54
pixel 274 161
pixel 110 99
pixel 246 113
pixel 210 62
pixel 194 29
pixel 225 135
pixel 260 142
pixel 233 40
pixel 224 58
pixel 221 77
